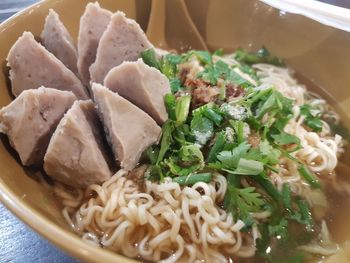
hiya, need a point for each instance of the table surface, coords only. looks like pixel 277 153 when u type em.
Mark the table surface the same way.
pixel 18 243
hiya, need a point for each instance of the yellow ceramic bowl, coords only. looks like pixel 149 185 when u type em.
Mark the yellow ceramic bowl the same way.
pixel 320 53
pixel 19 192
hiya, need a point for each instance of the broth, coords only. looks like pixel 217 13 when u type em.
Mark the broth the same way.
pixel 339 213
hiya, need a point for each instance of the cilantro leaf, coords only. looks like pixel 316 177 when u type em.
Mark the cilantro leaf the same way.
pixel 219 52
pixel 173 59
pixel 276 103
pixel 312 117
pixel 175 85
pixel 191 154
pixel 284 249
pixel 202 129
pixel 250 71
pixel 167 139
pixel 272 103
pixel 220 70
pixel 230 159
pixel 203 56
pixel 285 139
pixel 208 74
pixel 261 56
pixel 151 153
pixel 185 161
pixel 241 202
pixel 251 198
pixel 271 154
pixel 167 64
pixel 175 167
pixel 154 173
pixel 280 229
pixel 300 212
pixel 235 78
pixel 303 214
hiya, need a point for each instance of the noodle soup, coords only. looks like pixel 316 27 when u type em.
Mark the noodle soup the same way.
pixel 194 222
pixel 192 157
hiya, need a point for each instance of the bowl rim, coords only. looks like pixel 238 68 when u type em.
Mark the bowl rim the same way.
pixel 66 240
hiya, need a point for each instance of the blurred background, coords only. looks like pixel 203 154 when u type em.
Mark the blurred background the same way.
pixel 342 3
pixel 10 7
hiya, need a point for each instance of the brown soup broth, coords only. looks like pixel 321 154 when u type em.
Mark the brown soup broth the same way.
pixel 338 214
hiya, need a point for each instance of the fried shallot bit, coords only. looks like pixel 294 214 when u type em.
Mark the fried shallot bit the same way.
pixel 254 140
pixel 202 91
pixel 233 91
pixel 203 95
pixel 183 74
pixel 195 83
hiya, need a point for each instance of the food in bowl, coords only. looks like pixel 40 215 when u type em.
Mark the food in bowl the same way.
pixel 175 157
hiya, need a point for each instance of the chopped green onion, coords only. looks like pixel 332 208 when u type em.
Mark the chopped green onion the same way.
pixel 219 52
pixel 217 147
pixel 170 105
pixel 248 167
pixel 213 116
pixel 191 153
pixel 267 186
pixel 149 57
pixel 182 108
pixel 193 178
pixel 230 159
pixel 233 179
pixel 308 176
pixel 238 126
pixel 305 212
pixel 222 94
pixel 312 117
pixel 286 196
